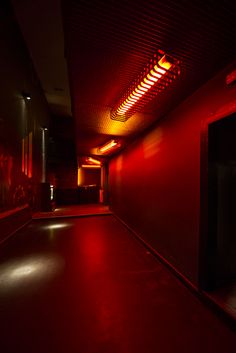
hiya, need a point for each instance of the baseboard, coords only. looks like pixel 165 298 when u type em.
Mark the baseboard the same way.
pixel 205 298
pixel 163 260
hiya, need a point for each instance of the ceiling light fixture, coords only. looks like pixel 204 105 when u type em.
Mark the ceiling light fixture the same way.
pixel 110 145
pixel 93 161
pixel 158 74
pixel 90 166
pixel 26 96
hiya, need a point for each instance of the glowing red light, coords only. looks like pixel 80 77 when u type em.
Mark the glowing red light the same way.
pixel 93 161
pixel 90 166
pixel 108 146
pixel 144 86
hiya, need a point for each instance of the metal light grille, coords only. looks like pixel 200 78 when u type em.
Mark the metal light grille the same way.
pixel 156 77
pixel 109 42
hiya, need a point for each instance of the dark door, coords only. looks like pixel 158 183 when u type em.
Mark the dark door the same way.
pixel 221 245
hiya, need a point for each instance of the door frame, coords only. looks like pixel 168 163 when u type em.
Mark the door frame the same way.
pixel 223 112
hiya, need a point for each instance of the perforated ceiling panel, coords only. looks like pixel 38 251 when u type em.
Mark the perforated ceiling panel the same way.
pixel 107 44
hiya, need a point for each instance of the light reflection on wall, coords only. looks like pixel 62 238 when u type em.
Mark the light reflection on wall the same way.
pixel 151 143
pixel 119 169
pixel 29 272
pixel 79 176
pixel 119 163
pixel 23 112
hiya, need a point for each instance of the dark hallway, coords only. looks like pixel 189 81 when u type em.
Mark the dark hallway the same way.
pixel 87 285
pixel 118 176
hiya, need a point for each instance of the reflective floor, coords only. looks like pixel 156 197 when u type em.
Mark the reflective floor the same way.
pixel 87 285
pixel 74 211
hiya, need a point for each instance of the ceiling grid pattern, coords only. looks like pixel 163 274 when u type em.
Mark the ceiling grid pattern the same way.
pixel 108 43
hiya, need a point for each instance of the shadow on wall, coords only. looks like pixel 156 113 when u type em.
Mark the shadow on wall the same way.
pixel 15 188
pixel 6 162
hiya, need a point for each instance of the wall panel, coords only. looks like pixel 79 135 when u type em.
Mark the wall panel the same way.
pixel 155 182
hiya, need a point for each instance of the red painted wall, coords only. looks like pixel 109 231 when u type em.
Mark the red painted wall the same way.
pixel 155 183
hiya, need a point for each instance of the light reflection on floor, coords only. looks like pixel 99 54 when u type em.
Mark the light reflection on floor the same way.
pixel 74 211
pixel 36 270
pixel 88 286
pixel 57 226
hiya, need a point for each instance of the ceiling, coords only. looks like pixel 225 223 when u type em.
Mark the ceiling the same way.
pixel 40 22
pixel 102 46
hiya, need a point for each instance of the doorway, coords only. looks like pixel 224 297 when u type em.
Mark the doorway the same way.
pixel 222 201
pixel 218 272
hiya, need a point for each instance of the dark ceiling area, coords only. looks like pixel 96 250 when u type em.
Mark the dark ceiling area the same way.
pixel 107 43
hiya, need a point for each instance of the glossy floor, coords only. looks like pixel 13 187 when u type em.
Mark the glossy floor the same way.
pixel 74 211
pixel 87 285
